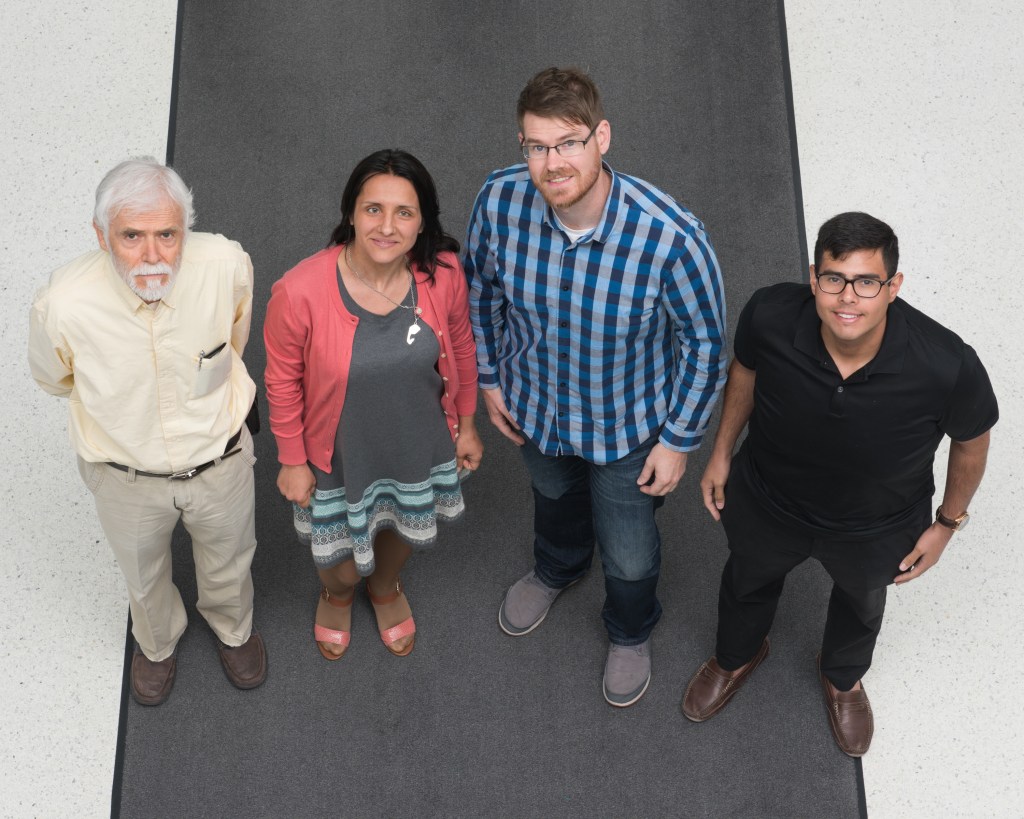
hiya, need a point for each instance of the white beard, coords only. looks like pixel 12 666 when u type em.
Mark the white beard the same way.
pixel 150 293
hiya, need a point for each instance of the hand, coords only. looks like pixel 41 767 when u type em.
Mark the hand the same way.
pixel 712 484
pixel 927 551
pixel 666 467
pixel 469 449
pixel 296 483
pixel 499 415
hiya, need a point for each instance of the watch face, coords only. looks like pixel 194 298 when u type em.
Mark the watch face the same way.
pixel 962 521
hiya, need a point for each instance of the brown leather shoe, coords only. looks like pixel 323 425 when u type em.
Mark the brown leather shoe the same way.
pixel 245 665
pixel 849 716
pixel 151 682
pixel 712 687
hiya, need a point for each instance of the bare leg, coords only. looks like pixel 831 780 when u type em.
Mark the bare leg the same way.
pixel 390 553
pixel 340 582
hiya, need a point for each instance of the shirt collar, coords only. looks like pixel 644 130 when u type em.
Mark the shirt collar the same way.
pixel 888 359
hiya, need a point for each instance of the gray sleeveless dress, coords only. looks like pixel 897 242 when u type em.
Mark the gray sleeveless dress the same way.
pixel 394 460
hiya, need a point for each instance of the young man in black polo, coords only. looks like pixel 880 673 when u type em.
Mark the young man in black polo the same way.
pixel 848 392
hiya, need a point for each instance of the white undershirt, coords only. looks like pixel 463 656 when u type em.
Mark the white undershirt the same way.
pixel 573 234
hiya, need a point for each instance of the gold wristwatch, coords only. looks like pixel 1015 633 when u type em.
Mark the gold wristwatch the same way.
pixel 956 524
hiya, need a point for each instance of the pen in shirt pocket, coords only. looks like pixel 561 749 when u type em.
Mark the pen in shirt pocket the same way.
pixel 205 355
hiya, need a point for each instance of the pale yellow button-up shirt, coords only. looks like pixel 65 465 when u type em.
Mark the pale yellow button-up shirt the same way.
pixel 137 391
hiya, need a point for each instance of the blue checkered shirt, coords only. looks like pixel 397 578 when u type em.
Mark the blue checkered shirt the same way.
pixel 597 345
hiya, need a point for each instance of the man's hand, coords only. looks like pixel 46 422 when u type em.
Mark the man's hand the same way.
pixel 662 471
pixel 296 483
pixel 927 551
pixel 712 484
pixel 469 449
pixel 499 415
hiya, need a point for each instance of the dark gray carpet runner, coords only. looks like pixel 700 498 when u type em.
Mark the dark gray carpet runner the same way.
pixel 275 103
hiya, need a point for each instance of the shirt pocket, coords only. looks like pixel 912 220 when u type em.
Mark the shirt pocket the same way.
pixel 212 371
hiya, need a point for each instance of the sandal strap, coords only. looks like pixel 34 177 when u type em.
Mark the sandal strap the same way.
pixel 322 634
pixel 392 635
pixel 384 599
pixel 332 599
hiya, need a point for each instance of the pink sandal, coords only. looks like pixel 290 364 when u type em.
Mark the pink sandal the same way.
pixel 392 635
pixel 323 634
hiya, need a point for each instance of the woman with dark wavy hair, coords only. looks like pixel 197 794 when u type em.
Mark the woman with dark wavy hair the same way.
pixel 371 380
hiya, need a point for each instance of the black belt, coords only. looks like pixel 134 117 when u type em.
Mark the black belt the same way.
pixel 187 474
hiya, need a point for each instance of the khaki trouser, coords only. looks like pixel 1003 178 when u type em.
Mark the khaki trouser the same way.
pixel 218 509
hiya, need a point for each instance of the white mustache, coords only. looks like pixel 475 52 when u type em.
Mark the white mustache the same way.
pixel 158 269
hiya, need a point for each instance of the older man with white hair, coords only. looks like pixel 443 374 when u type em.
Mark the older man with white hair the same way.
pixel 144 337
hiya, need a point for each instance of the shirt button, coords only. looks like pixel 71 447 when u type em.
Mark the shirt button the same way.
pixel 839 389
pixel 565 287
pixel 561 415
pixel 563 324
pixel 563 355
pixel 444 378
pixel 444 355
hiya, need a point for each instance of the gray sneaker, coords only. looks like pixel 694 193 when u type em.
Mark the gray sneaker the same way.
pixel 526 605
pixel 627 673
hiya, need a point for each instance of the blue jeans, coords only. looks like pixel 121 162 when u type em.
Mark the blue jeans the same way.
pixel 573 501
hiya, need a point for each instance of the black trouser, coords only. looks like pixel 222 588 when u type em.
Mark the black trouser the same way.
pixel 763 551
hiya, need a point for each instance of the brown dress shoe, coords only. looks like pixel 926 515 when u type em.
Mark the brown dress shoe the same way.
pixel 245 665
pixel 151 682
pixel 849 716
pixel 712 687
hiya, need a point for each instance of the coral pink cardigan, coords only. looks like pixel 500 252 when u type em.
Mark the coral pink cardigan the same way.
pixel 308 334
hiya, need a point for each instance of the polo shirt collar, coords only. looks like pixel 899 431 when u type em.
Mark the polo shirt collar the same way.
pixel 888 359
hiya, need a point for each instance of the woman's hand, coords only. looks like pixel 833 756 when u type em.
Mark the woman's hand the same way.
pixel 296 483
pixel 469 449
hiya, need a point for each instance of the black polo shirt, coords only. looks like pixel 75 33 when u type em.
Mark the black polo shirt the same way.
pixel 852 456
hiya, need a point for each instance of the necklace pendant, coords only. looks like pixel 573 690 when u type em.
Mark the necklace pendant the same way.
pixel 413 330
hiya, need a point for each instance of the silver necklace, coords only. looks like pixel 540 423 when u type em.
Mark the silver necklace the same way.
pixel 414 328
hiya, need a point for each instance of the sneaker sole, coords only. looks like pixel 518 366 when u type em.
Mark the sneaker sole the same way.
pixel 642 691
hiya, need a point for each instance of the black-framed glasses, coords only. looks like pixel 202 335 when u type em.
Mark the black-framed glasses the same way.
pixel 834 284
pixel 571 147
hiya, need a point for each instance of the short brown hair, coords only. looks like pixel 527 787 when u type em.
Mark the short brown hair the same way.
pixel 561 93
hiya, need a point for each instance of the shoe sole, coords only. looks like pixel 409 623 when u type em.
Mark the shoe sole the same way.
pixel 642 691
pixel 511 630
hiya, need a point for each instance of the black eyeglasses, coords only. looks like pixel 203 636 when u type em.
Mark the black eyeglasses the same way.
pixel 571 147
pixel 834 284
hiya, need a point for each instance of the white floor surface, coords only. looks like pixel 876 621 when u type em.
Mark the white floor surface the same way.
pixel 912 111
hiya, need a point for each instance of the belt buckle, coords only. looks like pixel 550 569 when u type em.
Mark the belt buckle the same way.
pixel 184 475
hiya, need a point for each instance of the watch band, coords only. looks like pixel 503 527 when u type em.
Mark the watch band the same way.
pixel 956 524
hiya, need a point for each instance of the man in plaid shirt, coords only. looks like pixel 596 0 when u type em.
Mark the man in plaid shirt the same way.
pixel 599 315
